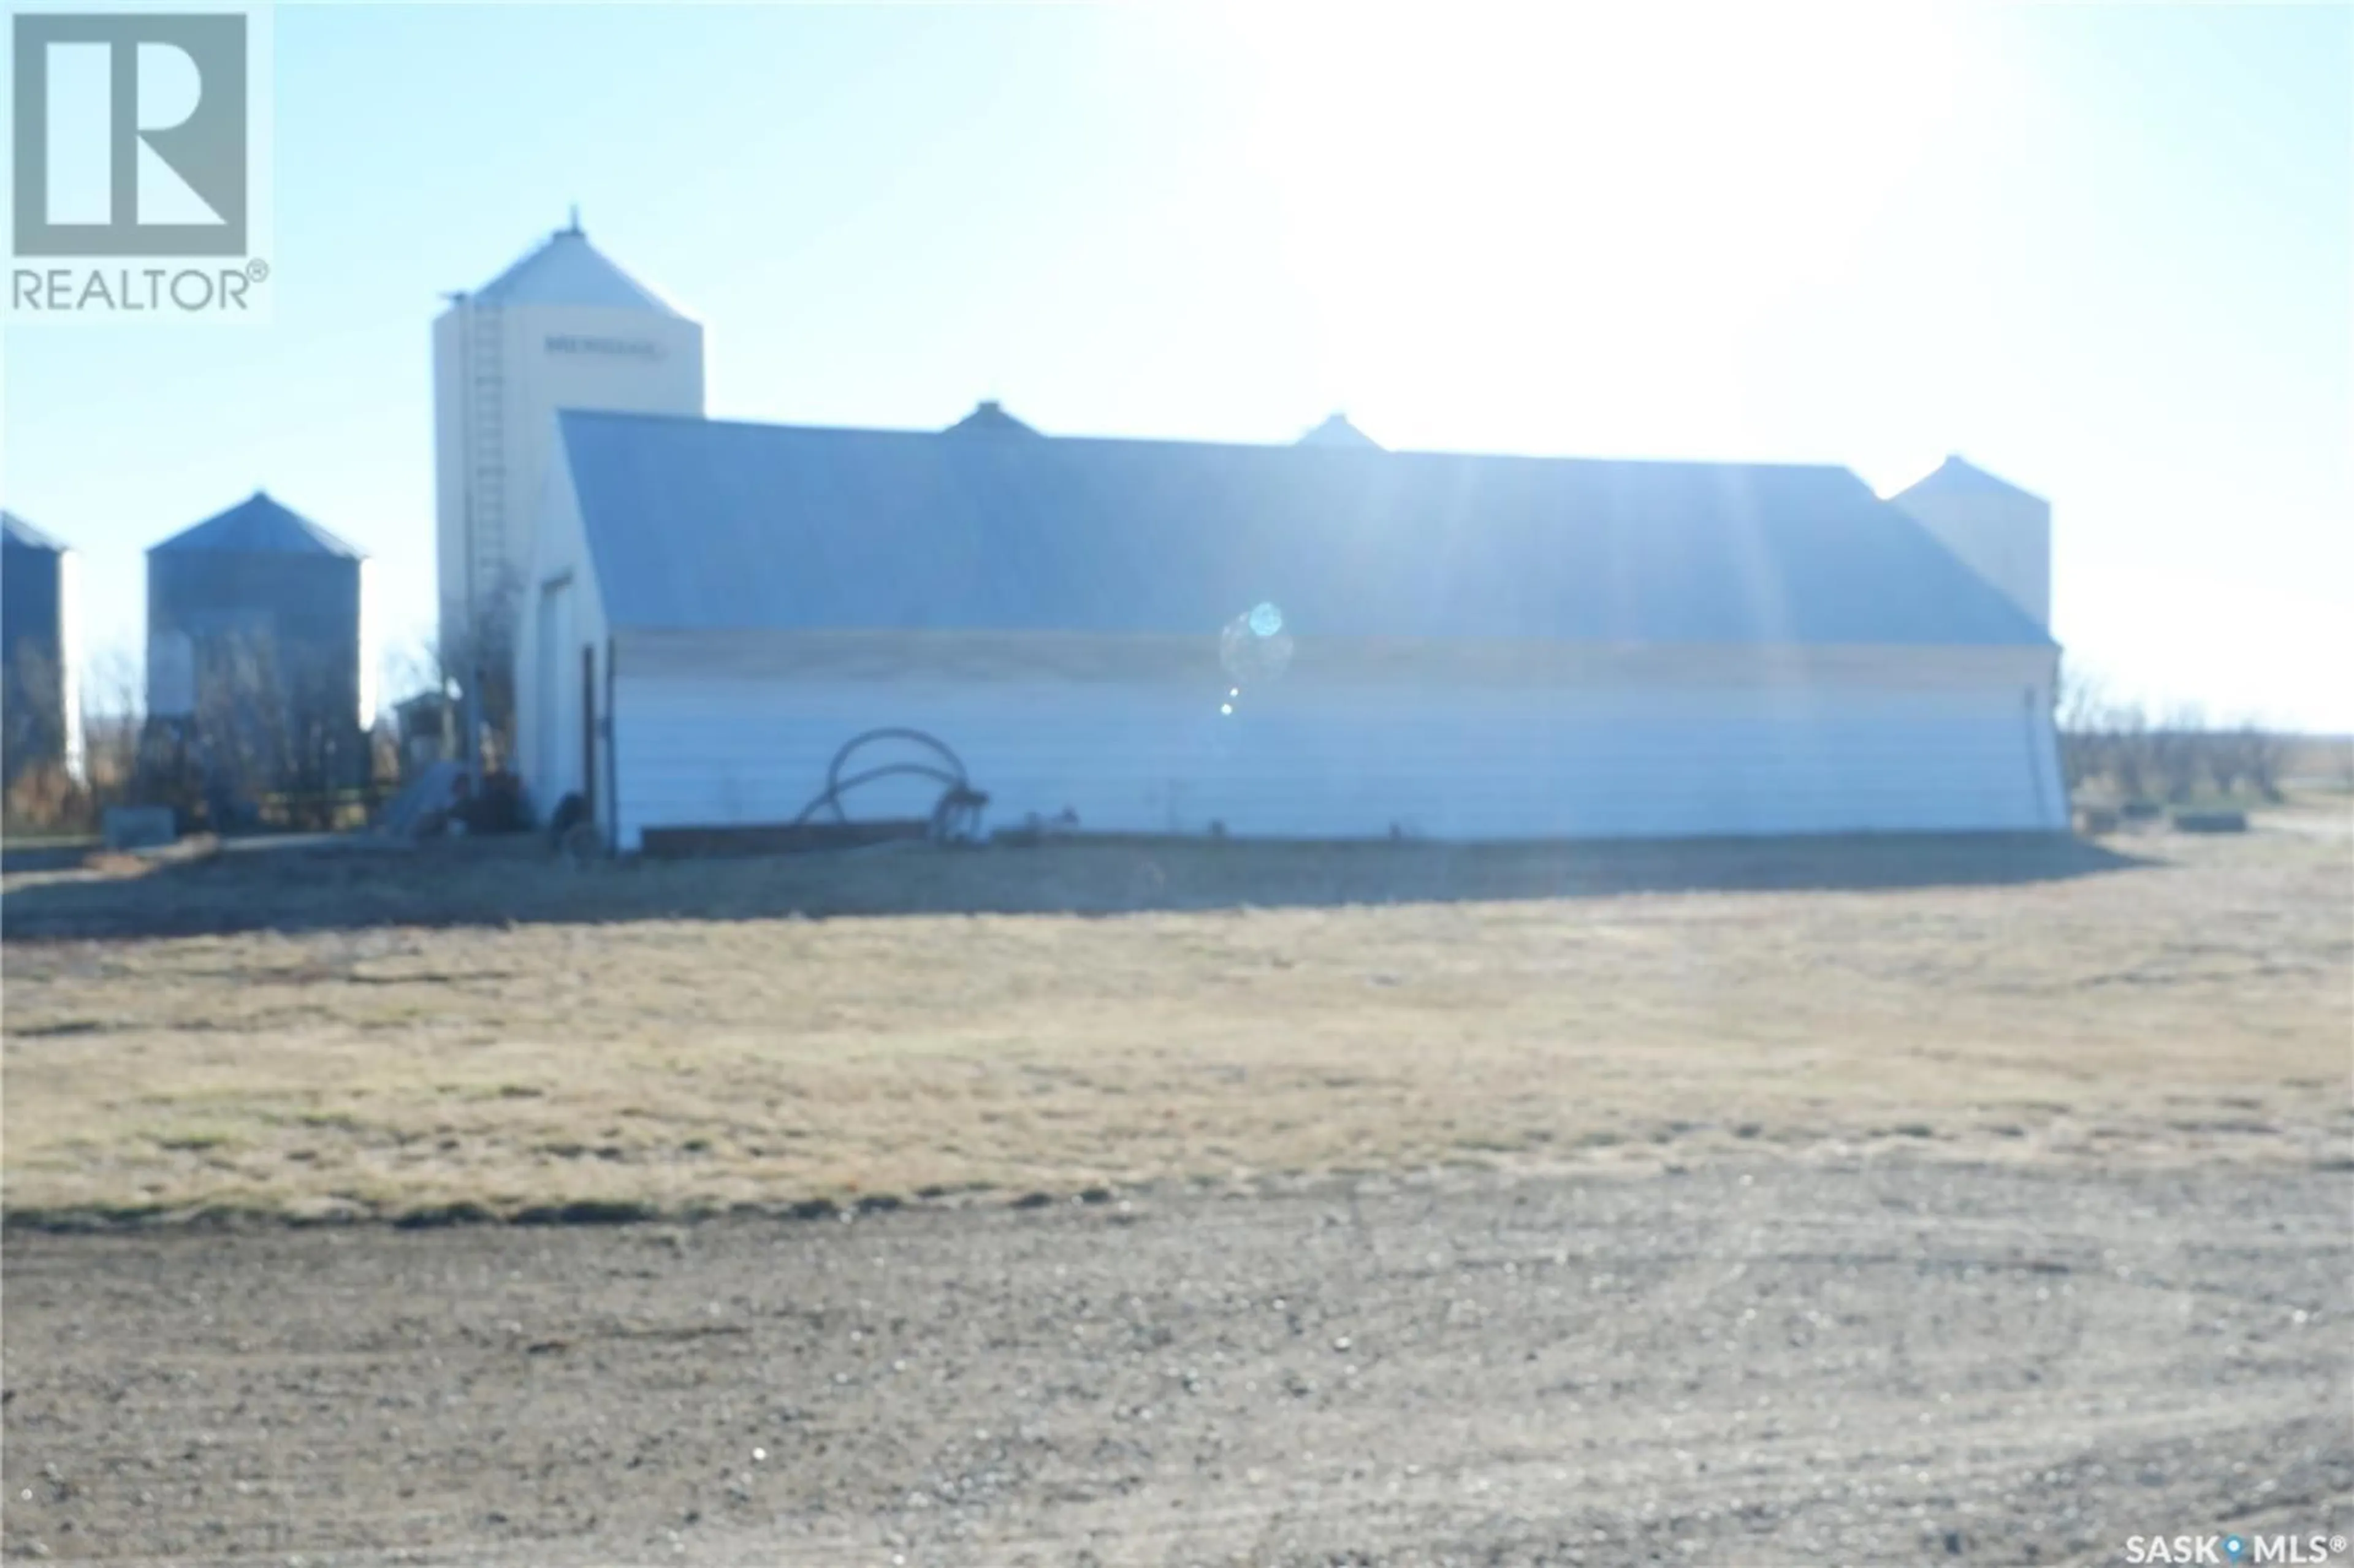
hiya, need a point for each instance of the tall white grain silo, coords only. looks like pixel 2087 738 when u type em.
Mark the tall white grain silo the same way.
pixel 1999 531
pixel 563 328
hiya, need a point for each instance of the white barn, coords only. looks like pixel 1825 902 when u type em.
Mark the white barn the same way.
pixel 1320 640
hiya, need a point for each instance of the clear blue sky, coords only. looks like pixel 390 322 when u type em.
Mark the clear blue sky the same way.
pixel 2103 251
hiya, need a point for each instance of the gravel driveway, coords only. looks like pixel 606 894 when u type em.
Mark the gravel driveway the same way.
pixel 1762 1363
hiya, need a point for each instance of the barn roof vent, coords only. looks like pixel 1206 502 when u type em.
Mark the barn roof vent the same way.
pixel 1336 432
pixel 987 419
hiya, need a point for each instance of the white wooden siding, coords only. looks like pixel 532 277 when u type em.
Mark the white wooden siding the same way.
pixel 1331 759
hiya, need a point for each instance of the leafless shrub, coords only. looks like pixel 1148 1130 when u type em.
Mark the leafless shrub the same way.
pixel 480 665
pixel 409 670
pixel 2178 752
pixel 2247 758
pixel 265 729
pixel 113 706
pixel 44 798
pixel 2112 747
pixel 2082 713
pixel 420 726
pixel 2127 749
pixel 43 795
pixel 383 752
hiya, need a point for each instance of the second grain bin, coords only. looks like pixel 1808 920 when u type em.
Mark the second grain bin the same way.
pixel 254 629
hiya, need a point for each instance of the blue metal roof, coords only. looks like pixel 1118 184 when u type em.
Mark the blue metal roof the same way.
pixel 697 524
pixel 258 525
pixel 20 534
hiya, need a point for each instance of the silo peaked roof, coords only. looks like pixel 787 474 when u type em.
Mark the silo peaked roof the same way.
pixel 565 270
pixel 258 525
pixel 1956 477
pixel 22 535
pixel 708 524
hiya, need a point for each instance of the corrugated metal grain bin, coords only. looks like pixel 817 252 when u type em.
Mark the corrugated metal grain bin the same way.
pixel 40 706
pixel 254 628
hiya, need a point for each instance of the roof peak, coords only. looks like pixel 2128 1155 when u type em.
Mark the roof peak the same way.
pixel 989 419
pixel 23 536
pixel 257 526
pixel 1959 476
pixel 1336 431
pixel 565 270
pixel 877 432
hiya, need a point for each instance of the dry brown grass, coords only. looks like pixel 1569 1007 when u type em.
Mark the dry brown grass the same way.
pixel 2194 1007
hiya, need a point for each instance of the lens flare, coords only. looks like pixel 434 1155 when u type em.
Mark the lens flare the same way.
pixel 1254 646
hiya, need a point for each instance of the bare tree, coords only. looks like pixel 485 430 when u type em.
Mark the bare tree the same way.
pixel 481 665
pixel 421 727
pixel 2261 756
pixel 114 704
pixel 265 728
pixel 43 795
pixel 2178 752
pixel 410 669
pixel 2082 713
pixel 2230 758
pixel 32 709
pixel 2106 742
pixel 2127 750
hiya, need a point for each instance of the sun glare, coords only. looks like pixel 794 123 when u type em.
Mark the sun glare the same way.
pixel 1505 203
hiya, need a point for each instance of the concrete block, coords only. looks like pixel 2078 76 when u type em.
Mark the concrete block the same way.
pixel 138 827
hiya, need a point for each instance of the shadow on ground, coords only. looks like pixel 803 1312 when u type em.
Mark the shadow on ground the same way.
pixel 323 886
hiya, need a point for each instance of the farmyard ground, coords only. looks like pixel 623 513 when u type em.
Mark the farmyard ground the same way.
pixel 1737 1210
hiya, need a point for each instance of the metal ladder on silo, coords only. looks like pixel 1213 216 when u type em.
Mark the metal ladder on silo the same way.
pixel 486 438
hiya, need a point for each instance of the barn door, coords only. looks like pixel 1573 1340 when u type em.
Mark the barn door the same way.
pixel 588 729
pixel 556 751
